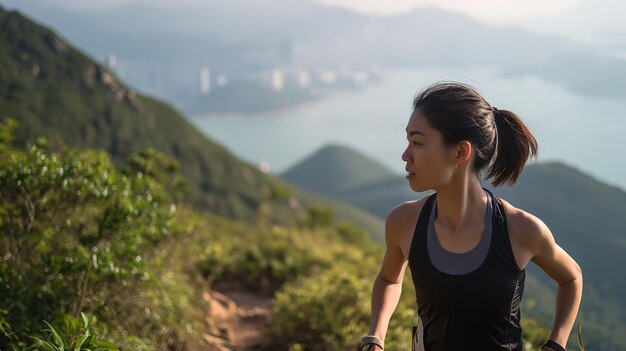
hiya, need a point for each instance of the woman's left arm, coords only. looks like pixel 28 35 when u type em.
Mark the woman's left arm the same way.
pixel 553 260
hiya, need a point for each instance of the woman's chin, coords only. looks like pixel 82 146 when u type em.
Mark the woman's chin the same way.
pixel 418 188
pixel 414 186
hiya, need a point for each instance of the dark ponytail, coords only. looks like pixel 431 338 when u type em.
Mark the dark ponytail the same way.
pixel 459 113
pixel 515 144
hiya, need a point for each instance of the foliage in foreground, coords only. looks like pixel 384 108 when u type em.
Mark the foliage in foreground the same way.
pixel 75 337
pixel 76 231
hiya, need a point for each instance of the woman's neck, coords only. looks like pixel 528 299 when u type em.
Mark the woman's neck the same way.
pixel 461 204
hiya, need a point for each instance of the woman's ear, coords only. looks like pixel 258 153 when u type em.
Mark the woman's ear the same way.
pixel 463 152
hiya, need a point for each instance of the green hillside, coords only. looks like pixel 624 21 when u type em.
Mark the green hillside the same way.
pixel 335 168
pixel 583 213
pixel 55 91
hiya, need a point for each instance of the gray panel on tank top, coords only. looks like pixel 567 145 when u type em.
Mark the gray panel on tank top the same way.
pixel 458 263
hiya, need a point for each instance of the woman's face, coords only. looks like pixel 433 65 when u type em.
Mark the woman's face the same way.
pixel 429 162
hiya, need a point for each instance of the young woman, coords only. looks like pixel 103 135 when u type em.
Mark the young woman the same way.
pixel 466 248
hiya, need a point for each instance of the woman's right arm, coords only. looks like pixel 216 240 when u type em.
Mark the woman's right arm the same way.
pixel 388 284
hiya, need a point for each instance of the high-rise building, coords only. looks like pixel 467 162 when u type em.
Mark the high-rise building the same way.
pixel 205 80
pixel 112 61
pixel 304 79
pixel 278 81
pixel 328 77
pixel 221 80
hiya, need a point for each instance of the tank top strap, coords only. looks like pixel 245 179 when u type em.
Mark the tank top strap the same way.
pixel 501 240
pixel 421 229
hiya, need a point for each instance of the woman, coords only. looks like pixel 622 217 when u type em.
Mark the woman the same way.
pixel 467 249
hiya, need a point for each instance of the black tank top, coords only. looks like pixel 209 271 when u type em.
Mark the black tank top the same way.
pixel 479 310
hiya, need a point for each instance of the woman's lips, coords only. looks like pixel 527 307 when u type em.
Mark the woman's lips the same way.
pixel 409 174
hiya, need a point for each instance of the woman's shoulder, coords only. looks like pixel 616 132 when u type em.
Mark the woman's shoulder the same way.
pixel 402 219
pixel 408 210
pixel 524 227
pixel 519 217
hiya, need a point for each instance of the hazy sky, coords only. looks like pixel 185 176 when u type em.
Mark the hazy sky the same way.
pixel 494 11
pixel 598 22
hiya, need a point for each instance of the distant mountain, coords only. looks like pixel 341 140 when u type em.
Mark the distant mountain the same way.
pixel 346 174
pixel 334 169
pixel 54 90
pixel 239 37
pixel 584 214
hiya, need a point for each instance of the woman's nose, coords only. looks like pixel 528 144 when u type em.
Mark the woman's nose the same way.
pixel 406 155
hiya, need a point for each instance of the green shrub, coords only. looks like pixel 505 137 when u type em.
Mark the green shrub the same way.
pixel 319 216
pixel 352 234
pixel 264 259
pixel 75 229
pixel 75 336
pixel 328 311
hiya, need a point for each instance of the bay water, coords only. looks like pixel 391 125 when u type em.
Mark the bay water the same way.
pixel 581 131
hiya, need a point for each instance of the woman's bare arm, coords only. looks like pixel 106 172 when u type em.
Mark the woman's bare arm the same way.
pixel 388 283
pixel 566 272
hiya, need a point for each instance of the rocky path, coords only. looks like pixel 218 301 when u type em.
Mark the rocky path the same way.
pixel 238 320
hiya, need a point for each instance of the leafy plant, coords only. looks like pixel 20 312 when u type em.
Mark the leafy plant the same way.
pixel 75 337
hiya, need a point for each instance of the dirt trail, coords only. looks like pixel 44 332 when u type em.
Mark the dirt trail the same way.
pixel 238 320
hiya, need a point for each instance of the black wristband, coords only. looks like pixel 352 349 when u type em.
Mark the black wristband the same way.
pixel 553 345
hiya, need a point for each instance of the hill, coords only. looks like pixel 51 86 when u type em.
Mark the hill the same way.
pixel 54 90
pixel 334 168
pixel 352 177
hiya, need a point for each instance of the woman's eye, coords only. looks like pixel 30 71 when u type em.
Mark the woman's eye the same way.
pixel 414 143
